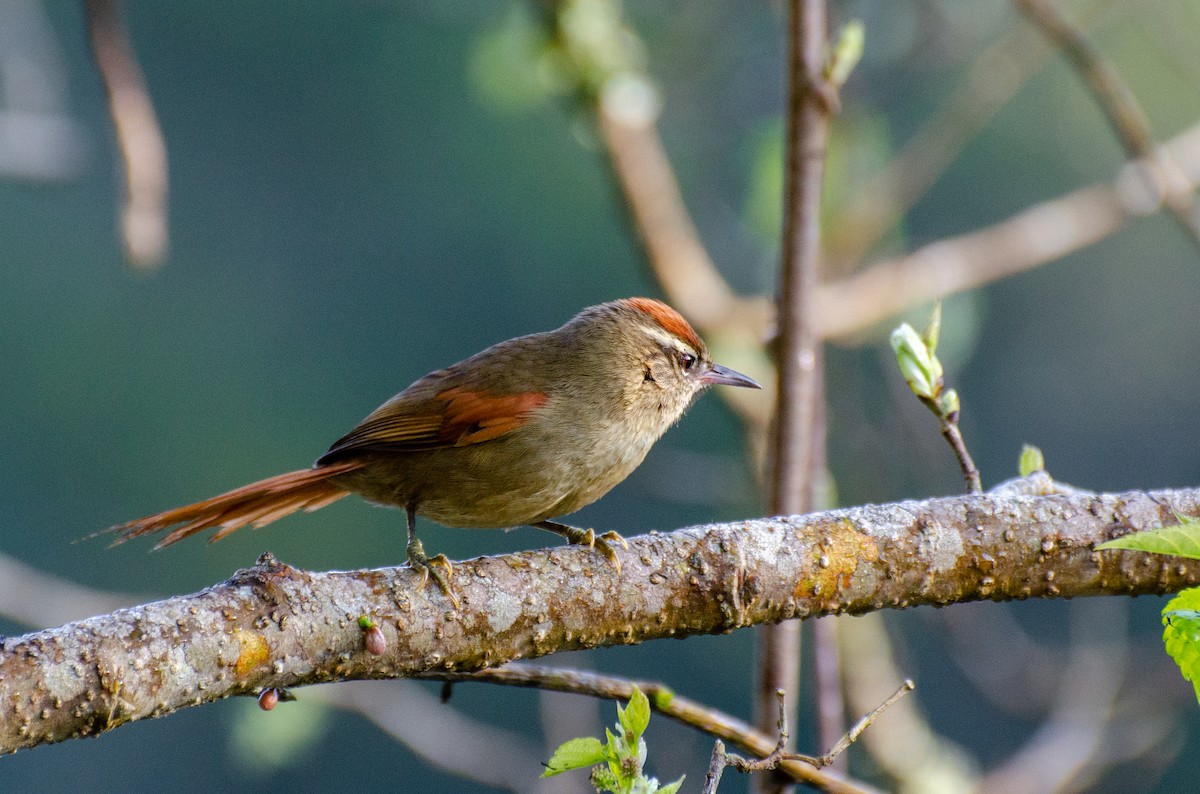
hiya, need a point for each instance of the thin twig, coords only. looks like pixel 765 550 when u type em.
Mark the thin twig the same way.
pixel 852 735
pixel 903 747
pixel 716 767
pixel 721 759
pixel 139 139
pixel 954 437
pixel 667 702
pixel 1121 107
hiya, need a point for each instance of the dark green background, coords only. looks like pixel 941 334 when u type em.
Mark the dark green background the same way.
pixel 350 209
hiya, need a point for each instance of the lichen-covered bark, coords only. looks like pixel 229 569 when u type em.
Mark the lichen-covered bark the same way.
pixel 273 625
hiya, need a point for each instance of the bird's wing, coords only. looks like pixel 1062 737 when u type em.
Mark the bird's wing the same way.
pixel 455 417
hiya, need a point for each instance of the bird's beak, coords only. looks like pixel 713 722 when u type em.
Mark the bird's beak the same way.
pixel 728 377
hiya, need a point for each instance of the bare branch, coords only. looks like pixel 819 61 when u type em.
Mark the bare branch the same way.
pixel 866 721
pixel 273 625
pixel 442 735
pixel 1120 107
pixel 665 701
pixel 996 75
pixel 139 139
pixel 778 757
pixel 36 598
pixel 673 246
pixel 904 746
pixel 1032 237
pixel 1072 737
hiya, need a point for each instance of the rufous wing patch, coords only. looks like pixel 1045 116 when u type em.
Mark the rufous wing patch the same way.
pixel 475 416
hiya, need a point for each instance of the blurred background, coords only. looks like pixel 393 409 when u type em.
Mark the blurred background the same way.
pixel 362 191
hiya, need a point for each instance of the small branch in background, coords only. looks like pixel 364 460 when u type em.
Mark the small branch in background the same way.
pixel 39 139
pixel 1122 109
pixel 922 370
pixel 1071 749
pixel 628 113
pixel 36 598
pixel 904 746
pixel 665 701
pixel 991 81
pixel 851 736
pixel 681 264
pixel 721 759
pixel 1033 237
pixel 139 139
pixel 441 735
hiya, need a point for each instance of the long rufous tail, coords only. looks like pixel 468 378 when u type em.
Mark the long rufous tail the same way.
pixel 256 504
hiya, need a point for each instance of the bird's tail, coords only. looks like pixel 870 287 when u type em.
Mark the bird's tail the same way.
pixel 256 504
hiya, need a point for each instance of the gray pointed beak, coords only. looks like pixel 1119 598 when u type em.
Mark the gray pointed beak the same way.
pixel 727 377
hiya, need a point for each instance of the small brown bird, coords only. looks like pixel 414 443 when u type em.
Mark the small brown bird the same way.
pixel 529 429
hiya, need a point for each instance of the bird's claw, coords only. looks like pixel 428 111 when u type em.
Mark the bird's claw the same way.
pixel 605 544
pixel 438 568
pixel 615 537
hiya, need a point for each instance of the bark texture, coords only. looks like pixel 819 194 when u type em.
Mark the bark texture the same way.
pixel 274 625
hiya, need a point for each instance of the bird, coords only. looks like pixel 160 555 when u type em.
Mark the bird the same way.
pixel 528 430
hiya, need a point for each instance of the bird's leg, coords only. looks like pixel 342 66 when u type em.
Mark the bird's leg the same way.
pixel 437 568
pixel 586 537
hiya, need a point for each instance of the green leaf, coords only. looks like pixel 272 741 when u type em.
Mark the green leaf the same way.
pixel 934 329
pixel 636 716
pixel 921 370
pixel 1180 540
pixel 671 788
pixel 1031 460
pixel 948 404
pixel 847 52
pixel 575 754
pixel 1181 634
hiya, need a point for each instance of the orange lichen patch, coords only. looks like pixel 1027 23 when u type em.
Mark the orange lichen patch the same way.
pixel 253 651
pixel 838 553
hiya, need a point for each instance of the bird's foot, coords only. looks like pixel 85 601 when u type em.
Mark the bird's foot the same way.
pixel 605 544
pixel 437 568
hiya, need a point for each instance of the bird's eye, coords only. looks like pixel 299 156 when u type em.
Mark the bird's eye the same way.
pixel 687 360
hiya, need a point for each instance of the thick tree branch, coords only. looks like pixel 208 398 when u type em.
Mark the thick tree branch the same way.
pixel 273 625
